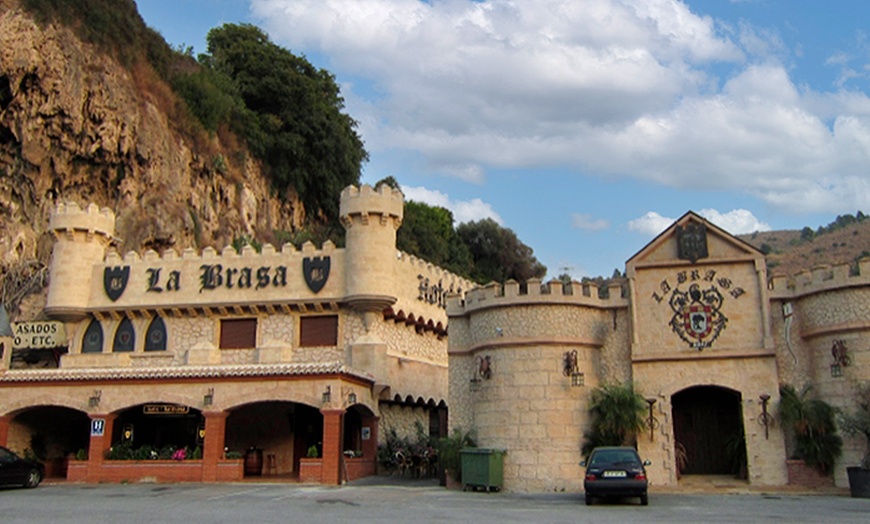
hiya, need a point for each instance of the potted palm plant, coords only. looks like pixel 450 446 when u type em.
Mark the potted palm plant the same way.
pixel 854 423
pixel 617 413
pixel 811 428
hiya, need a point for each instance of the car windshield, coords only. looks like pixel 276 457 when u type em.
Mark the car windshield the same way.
pixel 605 457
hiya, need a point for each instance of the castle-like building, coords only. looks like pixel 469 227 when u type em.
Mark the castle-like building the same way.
pixel 700 331
pixel 301 361
pixel 295 359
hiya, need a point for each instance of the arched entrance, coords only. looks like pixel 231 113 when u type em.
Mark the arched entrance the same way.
pixel 158 430
pixel 276 434
pixel 708 428
pixel 51 434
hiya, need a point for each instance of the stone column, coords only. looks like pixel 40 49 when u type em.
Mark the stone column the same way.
pixel 333 433
pixel 5 421
pixel 213 445
pixel 99 444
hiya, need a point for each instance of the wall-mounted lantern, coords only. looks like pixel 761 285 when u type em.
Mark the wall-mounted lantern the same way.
pixel 94 399
pixel 571 368
pixel 208 398
pixel 840 354
pixel 327 395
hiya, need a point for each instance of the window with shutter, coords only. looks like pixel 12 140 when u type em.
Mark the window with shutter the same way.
pixel 318 331
pixel 238 333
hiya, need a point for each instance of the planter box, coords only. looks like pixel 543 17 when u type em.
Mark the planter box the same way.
pixel 859 482
pixel 311 470
pixel 359 467
pixel 799 474
pixel 56 468
pixel 77 471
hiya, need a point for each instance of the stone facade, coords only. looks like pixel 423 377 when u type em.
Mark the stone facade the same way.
pixel 698 328
pixel 376 338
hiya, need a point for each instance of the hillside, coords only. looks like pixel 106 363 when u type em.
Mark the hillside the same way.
pixel 792 251
pixel 78 125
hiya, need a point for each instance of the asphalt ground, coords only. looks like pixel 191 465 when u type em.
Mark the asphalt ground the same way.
pixel 387 499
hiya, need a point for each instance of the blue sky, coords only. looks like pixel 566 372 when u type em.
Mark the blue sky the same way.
pixel 588 126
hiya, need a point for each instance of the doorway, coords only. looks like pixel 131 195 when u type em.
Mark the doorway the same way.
pixel 708 431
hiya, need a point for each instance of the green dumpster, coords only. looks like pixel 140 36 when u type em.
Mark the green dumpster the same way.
pixel 482 468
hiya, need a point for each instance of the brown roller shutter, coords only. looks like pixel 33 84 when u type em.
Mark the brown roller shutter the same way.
pixel 318 331
pixel 239 333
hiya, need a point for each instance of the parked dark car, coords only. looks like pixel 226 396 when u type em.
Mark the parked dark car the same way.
pixel 615 472
pixel 16 470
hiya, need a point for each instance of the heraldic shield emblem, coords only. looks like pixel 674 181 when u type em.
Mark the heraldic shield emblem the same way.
pixel 115 281
pixel 316 272
pixel 697 317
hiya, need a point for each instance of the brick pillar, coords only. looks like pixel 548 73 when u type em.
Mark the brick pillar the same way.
pixel 4 429
pixel 370 446
pixel 99 445
pixel 333 432
pixel 213 445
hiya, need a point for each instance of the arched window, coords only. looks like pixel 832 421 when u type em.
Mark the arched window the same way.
pixel 93 339
pixel 155 338
pixel 125 337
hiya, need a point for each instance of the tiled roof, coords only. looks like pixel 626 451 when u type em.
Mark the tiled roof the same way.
pixel 175 372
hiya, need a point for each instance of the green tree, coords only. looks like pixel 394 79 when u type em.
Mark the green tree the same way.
pixel 617 413
pixel 497 254
pixel 294 120
pixel 427 232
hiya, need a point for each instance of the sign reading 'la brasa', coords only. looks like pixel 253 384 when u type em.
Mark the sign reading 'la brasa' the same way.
pixel 217 276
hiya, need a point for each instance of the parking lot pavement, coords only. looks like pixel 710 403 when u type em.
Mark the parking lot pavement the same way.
pixel 414 502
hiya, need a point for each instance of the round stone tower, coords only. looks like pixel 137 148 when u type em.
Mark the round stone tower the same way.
pixel 371 218
pixel 82 239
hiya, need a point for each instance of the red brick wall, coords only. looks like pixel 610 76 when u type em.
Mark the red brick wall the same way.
pixel 310 470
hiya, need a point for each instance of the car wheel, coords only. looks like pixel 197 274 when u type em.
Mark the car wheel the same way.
pixel 644 500
pixel 589 499
pixel 33 478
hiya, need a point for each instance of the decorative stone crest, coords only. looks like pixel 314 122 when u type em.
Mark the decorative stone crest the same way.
pixel 316 271
pixel 692 242
pixel 697 317
pixel 115 281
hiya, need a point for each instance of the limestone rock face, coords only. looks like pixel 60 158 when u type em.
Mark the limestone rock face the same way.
pixel 77 126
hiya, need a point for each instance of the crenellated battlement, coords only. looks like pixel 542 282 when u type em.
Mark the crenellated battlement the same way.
pixel 210 254
pixel 386 202
pixel 69 216
pixel 820 279
pixel 535 291
pixel 435 273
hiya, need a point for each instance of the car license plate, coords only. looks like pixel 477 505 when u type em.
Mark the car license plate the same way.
pixel 613 474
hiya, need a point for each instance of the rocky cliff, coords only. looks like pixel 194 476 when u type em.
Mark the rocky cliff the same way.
pixel 77 126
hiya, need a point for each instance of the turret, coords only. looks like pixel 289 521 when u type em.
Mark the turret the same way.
pixel 371 218
pixel 82 239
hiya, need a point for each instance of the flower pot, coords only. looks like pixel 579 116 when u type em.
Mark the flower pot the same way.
pixel 859 482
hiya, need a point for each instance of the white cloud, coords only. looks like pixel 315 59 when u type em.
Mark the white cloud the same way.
pixel 651 224
pixel 736 222
pixel 588 223
pixel 615 87
pixel 463 210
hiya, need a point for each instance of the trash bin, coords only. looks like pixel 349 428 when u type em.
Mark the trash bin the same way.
pixel 482 468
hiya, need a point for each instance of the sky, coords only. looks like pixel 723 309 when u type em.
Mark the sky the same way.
pixel 589 126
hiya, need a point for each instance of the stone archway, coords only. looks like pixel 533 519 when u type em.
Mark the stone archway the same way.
pixel 708 426
pixel 51 434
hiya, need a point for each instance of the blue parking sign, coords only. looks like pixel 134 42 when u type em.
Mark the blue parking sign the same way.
pixel 98 427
